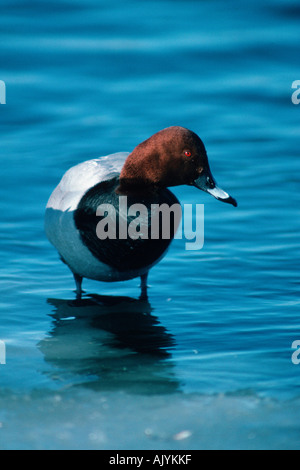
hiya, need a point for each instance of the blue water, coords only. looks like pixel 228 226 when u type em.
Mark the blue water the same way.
pixel 207 363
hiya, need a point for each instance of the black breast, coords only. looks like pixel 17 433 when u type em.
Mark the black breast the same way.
pixel 123 254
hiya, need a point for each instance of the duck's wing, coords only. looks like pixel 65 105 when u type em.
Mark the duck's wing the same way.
pixel 80 178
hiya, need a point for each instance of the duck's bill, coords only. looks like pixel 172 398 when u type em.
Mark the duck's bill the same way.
pixel 207 183
pixel 221 195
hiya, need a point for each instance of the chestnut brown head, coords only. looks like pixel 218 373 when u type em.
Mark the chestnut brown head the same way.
pixel 172 157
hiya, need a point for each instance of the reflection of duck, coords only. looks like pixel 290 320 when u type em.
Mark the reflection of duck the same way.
pixel 171 157
pixel 110 343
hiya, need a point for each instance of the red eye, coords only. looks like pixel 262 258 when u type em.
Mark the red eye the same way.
pixel 187 153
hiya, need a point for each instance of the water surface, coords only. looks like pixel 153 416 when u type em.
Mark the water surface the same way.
pixel 211 352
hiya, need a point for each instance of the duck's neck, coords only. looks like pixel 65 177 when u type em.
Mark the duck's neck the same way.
pixel 140 171
pixel 136 187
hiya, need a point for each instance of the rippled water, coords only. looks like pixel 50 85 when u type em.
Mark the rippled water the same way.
pixel 211 352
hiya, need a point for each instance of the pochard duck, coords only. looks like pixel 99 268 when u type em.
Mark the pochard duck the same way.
pixel 172 157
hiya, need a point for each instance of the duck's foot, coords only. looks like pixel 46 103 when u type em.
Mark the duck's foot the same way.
pixel 78 282
pixel 144 287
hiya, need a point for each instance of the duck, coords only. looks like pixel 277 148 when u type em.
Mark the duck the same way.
pixel 172 157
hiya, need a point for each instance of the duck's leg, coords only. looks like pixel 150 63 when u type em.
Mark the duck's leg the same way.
pixel 144 287
pixel 78 282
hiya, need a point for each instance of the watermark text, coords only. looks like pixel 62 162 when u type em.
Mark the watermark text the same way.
pixel 157 222
pixel 149 458
pixel 296 354
pixel 2 92
pixel 2 353
pixel 296 94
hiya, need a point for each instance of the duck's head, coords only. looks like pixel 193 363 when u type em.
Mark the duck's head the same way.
pixel 172 157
